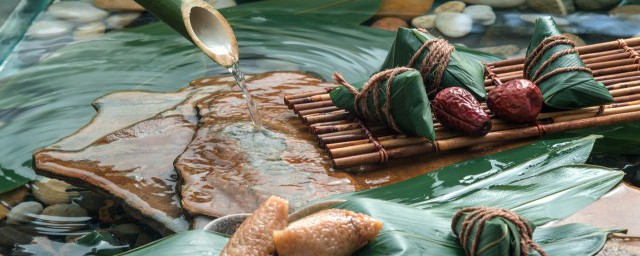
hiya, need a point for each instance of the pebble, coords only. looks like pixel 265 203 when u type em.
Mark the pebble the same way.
pixel 90 201
pixel 76 11
pixel 12 198
pixel 595 5
pixel 531 18
pixel 562 7
pixel 627 12
pixel 575 38
pixel 11 235
pixel 452 6
pixel 480 13
pixel 405 9
pixel 21 212
pixel 390 23
pixel 65 210
pixel 127 231
pixel 424 21
pixel 121 20
pixel 453 24
pixel 48 29
pixel 497 3
pixel 119 5
pixel 89 31
pixel 51 191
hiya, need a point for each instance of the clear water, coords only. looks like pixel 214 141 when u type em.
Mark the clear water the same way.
pixel 254 113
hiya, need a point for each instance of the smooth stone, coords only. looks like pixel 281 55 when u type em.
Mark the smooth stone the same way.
pixel 424 21
pixel 502 50
pixel 219 4
pixel 121 20
pixel 497 3
pixel 453 24
pixel 595 5
pixel 65 210
pixel 390 24
pixel 452 6
pixel 480 13
pixel 405 9
pixel 531 18
pixel 89 31
pixel 562 7
pixel 118 5
pixel 76 11
pixel 627 12
pixel 12 198
pixel 575 38
pixel 127 231
pixel 51 191
pixel 20 213
pixel 48 29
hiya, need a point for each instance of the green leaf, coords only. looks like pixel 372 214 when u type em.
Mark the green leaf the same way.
pixel 411 231
pixel 194 242
pixel 568 90
pixel 535 178
pixel 52 99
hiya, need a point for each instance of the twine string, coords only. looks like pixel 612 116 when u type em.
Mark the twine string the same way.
pixel 478 216
pixel 532 60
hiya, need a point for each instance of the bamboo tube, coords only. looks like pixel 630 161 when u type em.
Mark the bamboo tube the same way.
pixel 460 142
pixel 305 106
pixel 366 148
pixel 330 123
pixel 325 117
pixel 200 23
pixel 318 110
pixel 335 128
pixel 314 98
pixel 365 141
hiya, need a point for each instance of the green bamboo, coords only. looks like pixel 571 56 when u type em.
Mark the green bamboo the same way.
pixel 169 11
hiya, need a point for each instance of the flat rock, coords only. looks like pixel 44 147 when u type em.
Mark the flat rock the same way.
pixel 119 5
pixel 128 150
pixel 450 6
pixel 406 9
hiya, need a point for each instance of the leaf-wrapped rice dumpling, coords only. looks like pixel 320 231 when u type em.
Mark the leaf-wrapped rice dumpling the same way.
pixel 402 104
pixel 462 70
pixel 493 231
pixel 554 65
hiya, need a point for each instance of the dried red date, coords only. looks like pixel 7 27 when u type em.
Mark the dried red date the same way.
pixel 517 101
pixel 457 109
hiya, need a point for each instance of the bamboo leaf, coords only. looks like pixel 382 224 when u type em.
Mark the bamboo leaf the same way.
pixel 194 242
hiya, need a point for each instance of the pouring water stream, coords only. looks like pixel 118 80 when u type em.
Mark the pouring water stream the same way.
pixel 211 32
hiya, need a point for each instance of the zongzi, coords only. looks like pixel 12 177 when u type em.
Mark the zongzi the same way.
pixel 554 65
pixel 395 97
pixel 441 64
pixel 493 231
pixel 332 232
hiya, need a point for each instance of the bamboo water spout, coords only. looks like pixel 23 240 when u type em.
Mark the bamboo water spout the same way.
pixel 200 23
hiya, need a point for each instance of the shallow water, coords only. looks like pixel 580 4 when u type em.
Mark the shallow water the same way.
pixel 47 88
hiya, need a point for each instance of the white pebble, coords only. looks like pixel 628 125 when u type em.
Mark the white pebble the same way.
pixel 23 212
pixel 482 14
pixel 453 24
pixel 76 11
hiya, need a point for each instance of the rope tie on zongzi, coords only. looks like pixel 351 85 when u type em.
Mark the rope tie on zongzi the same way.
pixel 535 56
pixel 492 75
pixel 476 218
pixel 632 53
pixel 435 63
pixel 373 86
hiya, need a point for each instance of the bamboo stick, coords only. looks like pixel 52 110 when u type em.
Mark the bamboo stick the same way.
pixel 460 142
pixel 318 110
pixel 305 106
pixel 326 117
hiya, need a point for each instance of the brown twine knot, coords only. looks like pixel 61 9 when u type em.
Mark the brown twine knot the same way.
pixel 492 75
pixel 632 53
pixel 435 63
pixel 535 56
pixel 480 215
pixel 373 85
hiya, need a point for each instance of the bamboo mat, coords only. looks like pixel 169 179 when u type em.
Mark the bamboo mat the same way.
pixel 351 142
